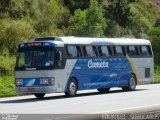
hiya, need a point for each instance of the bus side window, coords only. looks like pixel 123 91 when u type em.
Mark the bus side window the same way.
pixel 144 51
pixel 118 51
pixel 149 50
pixel 72 51
pixel 104 51
pixel 59 59
pixel 131 51
pixel 90 51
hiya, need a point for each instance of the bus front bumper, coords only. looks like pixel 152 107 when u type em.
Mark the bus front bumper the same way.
pixel 41 89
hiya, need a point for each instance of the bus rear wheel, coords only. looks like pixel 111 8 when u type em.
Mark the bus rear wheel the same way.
pixel 103 90
pixel 39 95
pixel 131 84
pixel 71 88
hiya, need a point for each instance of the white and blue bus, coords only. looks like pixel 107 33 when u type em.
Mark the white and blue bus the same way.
pixel 68 64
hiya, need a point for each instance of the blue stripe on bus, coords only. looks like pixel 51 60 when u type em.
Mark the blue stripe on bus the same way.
pixel 101 73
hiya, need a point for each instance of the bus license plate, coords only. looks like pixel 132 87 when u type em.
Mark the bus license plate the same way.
pixel 31 89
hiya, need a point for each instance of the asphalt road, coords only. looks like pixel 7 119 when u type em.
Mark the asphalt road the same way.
pixel 145 98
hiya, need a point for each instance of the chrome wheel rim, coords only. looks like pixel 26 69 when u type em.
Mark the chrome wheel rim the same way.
pixel 72 88
pixel 132 83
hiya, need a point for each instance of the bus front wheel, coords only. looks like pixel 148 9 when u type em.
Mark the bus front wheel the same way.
pixel 39 95
pixel 71 88
pixel 131 84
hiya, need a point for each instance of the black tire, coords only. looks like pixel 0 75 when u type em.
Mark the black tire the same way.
pixel 39 95
pixel 103 90
pixel 131 84
pixel 71 88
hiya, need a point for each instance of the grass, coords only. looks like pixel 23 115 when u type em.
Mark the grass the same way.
pixel 7 87
pixel 157 74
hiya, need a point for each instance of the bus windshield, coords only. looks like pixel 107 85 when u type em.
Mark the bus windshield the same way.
pixel 35 57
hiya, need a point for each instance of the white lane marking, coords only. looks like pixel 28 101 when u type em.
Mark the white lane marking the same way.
pixel 118 110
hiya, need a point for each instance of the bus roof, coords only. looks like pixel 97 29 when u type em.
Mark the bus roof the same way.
pixel 93 41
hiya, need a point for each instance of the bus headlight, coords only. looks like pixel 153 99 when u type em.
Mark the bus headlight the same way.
pixel 44 81
pixel 51 81
pixel 47 81
pixel 19 81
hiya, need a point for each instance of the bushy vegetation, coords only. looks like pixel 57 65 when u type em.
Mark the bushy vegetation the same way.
pixel 89 22
pixel 7 87
pixel 157 74
pixel 21 20
pixel 155 37
pixel 7 64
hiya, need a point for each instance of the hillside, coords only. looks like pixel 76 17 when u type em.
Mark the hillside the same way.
pixel 21 20
pixel 157 4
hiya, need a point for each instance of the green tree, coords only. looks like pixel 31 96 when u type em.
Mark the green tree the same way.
pixel 89 22
pixel 78 23
pixel 155 37
pixel 95 19
pixel 15 8
pixel 78 4
pixel 3 7
pixel 50 17
pixel 115 30
pixel 143 19
pixel 13 33
pixel 140 27
pixel 119 11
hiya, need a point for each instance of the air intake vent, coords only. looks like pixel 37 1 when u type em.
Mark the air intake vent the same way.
pixel 48 39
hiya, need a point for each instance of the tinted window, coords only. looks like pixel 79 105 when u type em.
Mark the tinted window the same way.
pixel 35 57
pixel 90 51
pixel 59 59
pixel 144 51
pixel 72 51
pixel 132 51
pixel 118 51
pixel 104 51
pixel 149 50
